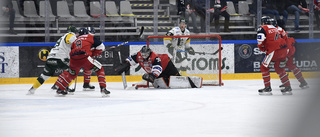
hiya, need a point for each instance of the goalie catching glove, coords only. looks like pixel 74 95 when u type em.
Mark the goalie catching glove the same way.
pixel 149 77
pixel 123 67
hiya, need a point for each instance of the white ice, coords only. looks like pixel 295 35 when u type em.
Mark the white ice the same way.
pixel 232 110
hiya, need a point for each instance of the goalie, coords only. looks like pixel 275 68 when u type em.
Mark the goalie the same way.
pixel 160 70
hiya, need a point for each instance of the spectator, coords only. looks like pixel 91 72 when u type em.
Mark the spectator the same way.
pixel 199 7
pixel 280 6
pixel 191 12
pixel 297 7
pixel 21 5
pixel 272 7
pixel 8 10
pixel 181 7
pixel 220 8
pixel 317 12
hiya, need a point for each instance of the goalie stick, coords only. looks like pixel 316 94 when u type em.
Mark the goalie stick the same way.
pixel 124 80
pixel 119 53
pixel 204 53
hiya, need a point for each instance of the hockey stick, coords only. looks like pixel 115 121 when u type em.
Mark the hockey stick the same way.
pixel 200 53
pixel 119 53
pixel 124 80
pixel 141 32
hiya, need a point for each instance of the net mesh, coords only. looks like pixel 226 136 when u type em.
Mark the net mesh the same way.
pixel 205 62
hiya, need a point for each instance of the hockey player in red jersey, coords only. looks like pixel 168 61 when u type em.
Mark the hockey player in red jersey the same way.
pixel 290 64
pixel 275 47
pixel 83 49
pixel 155 65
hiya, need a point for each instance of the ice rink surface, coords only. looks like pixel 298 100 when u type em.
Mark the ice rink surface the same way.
pixel 232 110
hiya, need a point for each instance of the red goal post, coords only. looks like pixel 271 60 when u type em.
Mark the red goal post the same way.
pixel 205 63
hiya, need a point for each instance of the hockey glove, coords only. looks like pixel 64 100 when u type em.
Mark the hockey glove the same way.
pixel 190 51
pixel 291 41
pixel 149 77
pixel 170 48
pixel 96 52
pixel 123 67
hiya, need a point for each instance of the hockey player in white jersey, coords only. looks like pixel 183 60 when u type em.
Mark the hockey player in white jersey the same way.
pixel 179 47
pixel 57 58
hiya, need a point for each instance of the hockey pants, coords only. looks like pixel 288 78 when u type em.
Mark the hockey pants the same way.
pixel 87 64
pixel 276 56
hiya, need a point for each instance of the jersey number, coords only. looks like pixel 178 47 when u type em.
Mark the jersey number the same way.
pixel 58 43
pixel 276 37
pixel 78 44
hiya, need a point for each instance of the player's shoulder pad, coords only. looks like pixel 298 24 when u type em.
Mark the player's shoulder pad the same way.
pixel 261 30
pixel 187 31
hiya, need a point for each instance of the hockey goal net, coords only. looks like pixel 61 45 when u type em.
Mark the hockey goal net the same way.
pixel 205 62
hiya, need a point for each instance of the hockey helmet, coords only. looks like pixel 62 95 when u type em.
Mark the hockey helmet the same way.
pixel 72 28
pixel 91 30
pixel 274 22
pixel 266 20
pixel 182 20
pixel 145 52
pixel 83 31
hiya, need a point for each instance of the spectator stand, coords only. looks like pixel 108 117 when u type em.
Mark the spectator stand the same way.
pixel 32 23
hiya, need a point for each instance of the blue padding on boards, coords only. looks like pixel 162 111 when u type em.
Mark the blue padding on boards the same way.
pixel 159 42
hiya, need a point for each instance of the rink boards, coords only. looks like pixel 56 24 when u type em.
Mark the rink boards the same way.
pixel 23 62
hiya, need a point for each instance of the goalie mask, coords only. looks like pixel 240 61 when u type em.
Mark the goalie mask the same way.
pixel 145 52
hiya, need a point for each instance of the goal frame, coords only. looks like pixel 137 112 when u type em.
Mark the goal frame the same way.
pixel 199 36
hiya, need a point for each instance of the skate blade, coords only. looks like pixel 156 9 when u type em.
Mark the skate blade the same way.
pixel 87 89
pixel 287 93
pixel 60 95
pixel 105 95
pixel 265 94
pixel 70 93
pixel 304 87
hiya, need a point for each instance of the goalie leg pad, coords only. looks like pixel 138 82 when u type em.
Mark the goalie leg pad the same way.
pixel 185 82
pixel 160 83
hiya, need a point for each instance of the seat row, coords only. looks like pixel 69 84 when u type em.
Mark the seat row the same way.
pixel 80 13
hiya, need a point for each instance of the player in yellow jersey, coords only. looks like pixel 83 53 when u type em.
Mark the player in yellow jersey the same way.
pixel 57 58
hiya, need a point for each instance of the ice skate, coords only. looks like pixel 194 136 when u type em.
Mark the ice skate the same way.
pixel 70 91
pixel 304 85
pixel 281 86
pixel 31 91
pixel 61 92
pixel 104 92
pixel 54 87
pixel 88 87
pixel 286 91
pixel 265 91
